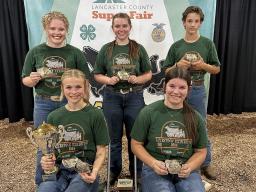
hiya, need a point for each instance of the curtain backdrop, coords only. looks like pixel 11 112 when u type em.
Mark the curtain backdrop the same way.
pixel 234 89
pixel 16 101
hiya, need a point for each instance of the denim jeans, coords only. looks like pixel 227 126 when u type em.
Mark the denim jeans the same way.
pixel 68 181
pixel 119 110
pixel 42 107
pixel 197 99
pixel 150 181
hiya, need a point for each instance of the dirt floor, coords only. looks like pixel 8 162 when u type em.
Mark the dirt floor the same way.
pixel 232 136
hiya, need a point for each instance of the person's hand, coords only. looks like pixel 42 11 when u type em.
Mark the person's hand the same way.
pixel 35 77
pixel 89 177
pixel 198 65
pixel 183 63
pixel 133 79
pixel 184 171
pixel 113 80
pixel 159 167
pixel 48 162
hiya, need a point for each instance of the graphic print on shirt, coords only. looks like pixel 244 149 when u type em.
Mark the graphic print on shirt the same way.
pixel 122 66
pixel 53 68
pixel 74 142
pixel 173 140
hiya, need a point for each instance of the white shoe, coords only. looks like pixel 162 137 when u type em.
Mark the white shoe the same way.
pixel 207 186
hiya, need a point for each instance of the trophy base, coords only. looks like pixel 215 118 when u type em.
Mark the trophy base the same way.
pixel 49 177
pixel 125 185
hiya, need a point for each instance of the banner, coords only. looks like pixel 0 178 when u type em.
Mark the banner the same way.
pixel 156 24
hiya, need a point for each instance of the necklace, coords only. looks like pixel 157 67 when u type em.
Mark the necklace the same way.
pixel 174 111
pixel 78 108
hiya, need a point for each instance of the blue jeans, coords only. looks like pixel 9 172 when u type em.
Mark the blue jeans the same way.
pixel 197 99
pixel 119 110
pixel 42 107
pixel 68 181
pixel 150 181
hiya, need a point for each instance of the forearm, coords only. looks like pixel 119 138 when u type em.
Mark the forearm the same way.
pixel 142 79
pixel 139 150
pixel 102 79
pixel 196 160
pixel 27 81
pixel 99 159
pixel 212 69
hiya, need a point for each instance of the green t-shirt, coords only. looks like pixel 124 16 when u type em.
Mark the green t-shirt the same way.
pixel 84 130
pixel 163 132
pixel 204 46
pixel 120 61
pixel 51 63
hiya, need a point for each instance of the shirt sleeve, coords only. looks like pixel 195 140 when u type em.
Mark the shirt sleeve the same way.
pixel 202 137
pixel 100 129
pixel 141 126
pixel 82 64
pixel 28 64
pixel 170 58
pixel 213 55
pixel 144 60
pixel 100 62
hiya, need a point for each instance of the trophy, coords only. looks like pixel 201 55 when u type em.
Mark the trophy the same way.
pixel 192 56
pixel 45 72
pixel 77 165
pixel 173 166
pixel 123 75
pixel 46 137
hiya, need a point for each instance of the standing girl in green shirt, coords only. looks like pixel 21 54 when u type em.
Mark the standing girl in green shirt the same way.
pixel 123 66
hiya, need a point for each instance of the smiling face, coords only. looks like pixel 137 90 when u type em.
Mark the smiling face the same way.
pixel 192 23
pixel 121 27
pixel 56 33
pixel 176 91
pixel 74 90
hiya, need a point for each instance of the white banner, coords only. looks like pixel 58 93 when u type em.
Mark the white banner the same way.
pixel 156 24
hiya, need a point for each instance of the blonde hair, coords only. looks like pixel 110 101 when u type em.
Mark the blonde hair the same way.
pixel 47 18
pixel 76 74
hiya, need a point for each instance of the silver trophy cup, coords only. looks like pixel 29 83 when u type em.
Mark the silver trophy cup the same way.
pixel 46 137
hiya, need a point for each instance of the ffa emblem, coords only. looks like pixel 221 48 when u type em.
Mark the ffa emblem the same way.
pixel 158 33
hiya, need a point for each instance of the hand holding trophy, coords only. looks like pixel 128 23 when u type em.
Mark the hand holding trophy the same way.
pixel 46 137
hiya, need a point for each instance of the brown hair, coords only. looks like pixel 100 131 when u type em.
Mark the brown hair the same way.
pixel 193 9
pixel 76 74
pixel 47 18
pixel 133 45
pixel 188 111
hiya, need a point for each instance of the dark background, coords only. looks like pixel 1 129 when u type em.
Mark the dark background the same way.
pixel 231 91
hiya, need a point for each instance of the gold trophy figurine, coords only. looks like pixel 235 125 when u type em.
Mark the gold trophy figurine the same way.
pixel 46 137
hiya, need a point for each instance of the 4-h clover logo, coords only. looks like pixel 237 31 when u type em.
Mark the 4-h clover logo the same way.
pixel 87 32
